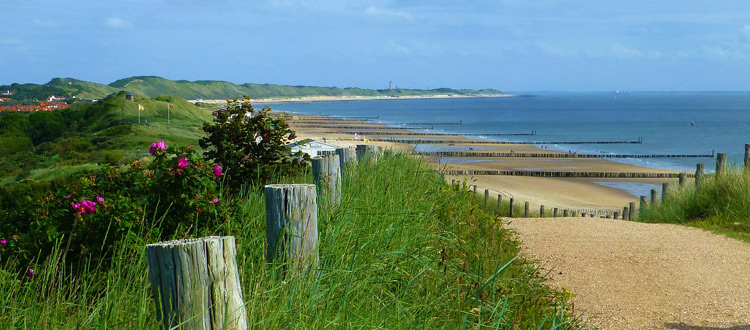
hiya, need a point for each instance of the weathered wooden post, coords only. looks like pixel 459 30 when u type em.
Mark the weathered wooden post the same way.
pixel 367 152
pixel 654 196
pixel 666 190
pixel 525 209
pixel 554 213
pixel 195 283
pixel 541 211
pixel 631 211
pixel 475 190
pixel 565 213
pixel 327 177
pixel 721 163
pixel 499 201
pixel 574 214
pixel 681 178
pixel 698 173
pixel 643 203
pixel 453 182
pixel 608 216
pixel 625 213
pixel 347 158
pixel 486 196
pixel 292 225
pixel 511 207
pixel 616 215
pixel 747 156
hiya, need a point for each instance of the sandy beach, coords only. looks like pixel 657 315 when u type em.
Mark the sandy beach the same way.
pixel 572 193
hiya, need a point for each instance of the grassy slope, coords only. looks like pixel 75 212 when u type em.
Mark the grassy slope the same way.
pixel 66 87
pixel 438 263
pixel 721 204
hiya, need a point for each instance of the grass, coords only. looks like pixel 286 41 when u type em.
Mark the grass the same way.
pixel 403 251
pixel 721 203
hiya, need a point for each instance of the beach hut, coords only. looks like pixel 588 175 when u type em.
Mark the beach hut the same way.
pixel 312 147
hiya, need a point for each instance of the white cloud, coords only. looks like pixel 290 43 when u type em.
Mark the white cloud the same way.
pixel 116 23
pixel 621 51
pixel 394 47
pixel 380 12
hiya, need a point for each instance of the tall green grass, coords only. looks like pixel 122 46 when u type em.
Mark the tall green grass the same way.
pixel 402 251
pixel 720 203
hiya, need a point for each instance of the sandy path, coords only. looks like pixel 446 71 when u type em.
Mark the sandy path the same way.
pixel 629 275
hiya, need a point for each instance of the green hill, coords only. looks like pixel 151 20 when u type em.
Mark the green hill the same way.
pixel 65 87
pixel 211 89
pixel 48 144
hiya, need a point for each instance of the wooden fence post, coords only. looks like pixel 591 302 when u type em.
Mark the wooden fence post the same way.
pixel 511 207
pixel 499 201
pixel 666 190
pixel 631 211
pixel 643 203
pixel 292 225
pixel 347 158
pixel 475 190
pixel 486 197
pixel 526 209
pixel 681 178
pixel 195 283
pixel 616 215
pixel 565 213
pixel 541 211
pixel 721 163
pixel 698 173
pixel 327 177
pixel 554 213
pixel 747 156
pixel 367 152
pixel 654 196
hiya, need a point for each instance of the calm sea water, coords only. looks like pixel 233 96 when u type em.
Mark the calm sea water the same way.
pixel 662 120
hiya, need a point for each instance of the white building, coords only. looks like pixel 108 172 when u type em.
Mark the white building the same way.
pixel 312 147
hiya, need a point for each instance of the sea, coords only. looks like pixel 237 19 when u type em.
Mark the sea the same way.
pixel 665 122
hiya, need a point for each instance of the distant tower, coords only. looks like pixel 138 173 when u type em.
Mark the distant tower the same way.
pixel 390 85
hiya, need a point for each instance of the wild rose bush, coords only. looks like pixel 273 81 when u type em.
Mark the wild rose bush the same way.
pixel 172 192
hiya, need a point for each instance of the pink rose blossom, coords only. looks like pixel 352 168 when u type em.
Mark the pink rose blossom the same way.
pixel 197 197
pixel 30 273
pixel 67 196
pixel 3 241
pixel 182 162
pixel 217 171
pixel 99 199
pixel 216 201
pixel 199 209
pixel 157 146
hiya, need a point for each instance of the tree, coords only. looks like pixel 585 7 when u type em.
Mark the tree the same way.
pixel 251 145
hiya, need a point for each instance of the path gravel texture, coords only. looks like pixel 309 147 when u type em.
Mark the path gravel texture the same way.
pixel 629 275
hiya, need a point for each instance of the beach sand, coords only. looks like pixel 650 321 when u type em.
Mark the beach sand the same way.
pixel 572 193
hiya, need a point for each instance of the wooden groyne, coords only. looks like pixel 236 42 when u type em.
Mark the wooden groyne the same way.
pixel 422 134
pixel 420 141
pixel 568 174
pixel 460 122
pixel 553 155
pixel 356 126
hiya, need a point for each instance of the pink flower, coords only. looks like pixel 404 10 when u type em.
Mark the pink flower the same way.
pixel 15 237
pixel 217 171
pixel 85 206
pixel 196 197
pixel 99 199
pixel 199 209
pixel 216 201
pixel 67 196
pixel 182 162
pixel 30 273
pixel 157 146
pixel 3 241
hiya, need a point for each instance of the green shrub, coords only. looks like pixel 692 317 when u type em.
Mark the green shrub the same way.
pixel 251 144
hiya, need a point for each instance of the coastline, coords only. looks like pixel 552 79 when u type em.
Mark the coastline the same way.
pixel 323 98
pixel 573 193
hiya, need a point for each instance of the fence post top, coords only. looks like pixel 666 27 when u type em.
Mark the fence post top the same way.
pixel 289 185
pixel 189 241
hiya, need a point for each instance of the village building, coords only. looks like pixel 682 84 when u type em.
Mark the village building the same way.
pixel 312 147
pixel 8 93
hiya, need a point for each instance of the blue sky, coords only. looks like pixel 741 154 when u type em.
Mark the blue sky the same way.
pixel 511 45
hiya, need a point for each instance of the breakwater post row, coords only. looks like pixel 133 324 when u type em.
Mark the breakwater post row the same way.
pixel 552 155
pixel 420 141
pixel 564 174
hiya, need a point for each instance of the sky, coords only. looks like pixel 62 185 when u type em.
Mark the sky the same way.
pixel 510 45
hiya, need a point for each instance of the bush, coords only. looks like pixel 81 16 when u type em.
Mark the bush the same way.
pixel 251 144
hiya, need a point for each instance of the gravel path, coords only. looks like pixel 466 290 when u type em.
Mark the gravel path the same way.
pixel 629 275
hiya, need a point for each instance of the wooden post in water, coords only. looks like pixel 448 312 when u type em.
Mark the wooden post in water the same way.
pixel 541 211
pixel 654 196
pixel 631 211
pixel 486 196
pixel 511 207
pixel 698 173
pixel 554 213
pixel 367 152
pixel 747 156
pixel 526 209
pixel 327 177
pixel 195 283
pixel 721 163
pixel 681 178
pixel 292 225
